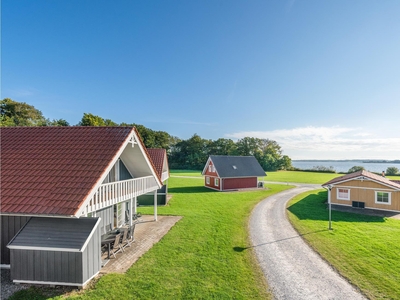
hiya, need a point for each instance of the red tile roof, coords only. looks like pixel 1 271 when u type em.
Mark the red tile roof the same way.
pixel 366 174
pixel 157 156
pixel 51 170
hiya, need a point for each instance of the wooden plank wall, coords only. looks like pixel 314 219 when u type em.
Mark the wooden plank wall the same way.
pixel 10 225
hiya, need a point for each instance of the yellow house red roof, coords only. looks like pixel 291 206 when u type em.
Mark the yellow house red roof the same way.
pixel 366 174
pixel 51 170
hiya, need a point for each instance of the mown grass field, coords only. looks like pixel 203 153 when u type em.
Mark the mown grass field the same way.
pixel 198 258
pixel 364 249
pixel 278 176
pixel 282 176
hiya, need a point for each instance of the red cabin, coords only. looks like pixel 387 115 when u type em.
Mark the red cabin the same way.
pixel 224 173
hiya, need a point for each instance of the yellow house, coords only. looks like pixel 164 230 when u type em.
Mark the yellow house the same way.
pixel 364 189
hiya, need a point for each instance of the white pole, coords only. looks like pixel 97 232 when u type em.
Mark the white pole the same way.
pixel 155 205
pixel 130 212
pixel 330 207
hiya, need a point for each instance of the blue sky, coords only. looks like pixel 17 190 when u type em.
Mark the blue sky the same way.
pixel 322 78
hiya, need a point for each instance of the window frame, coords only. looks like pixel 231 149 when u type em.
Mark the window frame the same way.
pixel 381 202
pixel 216 181
pixel 338 194
pixel 207 180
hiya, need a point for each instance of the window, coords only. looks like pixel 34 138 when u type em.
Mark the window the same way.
pixel 208 180
pixel 382 197
pixel 216 181
pixel 213 169
pixel 209 168
pixel 343 194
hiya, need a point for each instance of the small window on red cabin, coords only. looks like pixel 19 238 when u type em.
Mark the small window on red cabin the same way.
pixel 216 182
pixel 208 180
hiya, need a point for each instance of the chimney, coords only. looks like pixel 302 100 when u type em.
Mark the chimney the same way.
pixel 383 173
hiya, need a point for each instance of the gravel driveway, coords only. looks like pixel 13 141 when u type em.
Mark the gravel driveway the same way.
pixel 293 270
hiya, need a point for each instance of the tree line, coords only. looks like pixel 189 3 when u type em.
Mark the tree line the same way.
pixel 182 154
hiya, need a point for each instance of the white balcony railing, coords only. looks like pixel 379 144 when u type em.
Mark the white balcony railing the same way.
pixel 164 176
pixel 115 192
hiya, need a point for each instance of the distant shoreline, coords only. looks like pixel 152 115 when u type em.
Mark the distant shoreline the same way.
pixel 366 161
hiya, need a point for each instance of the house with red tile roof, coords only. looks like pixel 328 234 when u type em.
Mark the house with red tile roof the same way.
pixel 160 161
pixel 65 178
pixel 364 190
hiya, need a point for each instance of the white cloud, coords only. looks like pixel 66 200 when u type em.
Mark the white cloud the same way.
pixel 329 143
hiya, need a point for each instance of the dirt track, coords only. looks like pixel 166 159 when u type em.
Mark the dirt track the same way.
pixel 293 270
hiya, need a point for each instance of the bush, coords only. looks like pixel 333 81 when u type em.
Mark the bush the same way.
pixel 392 171
pixel 323 169
pixel 355 169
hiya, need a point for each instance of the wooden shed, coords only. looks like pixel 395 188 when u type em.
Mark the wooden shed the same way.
pixel 56 251
pixel 224 173
pixel 364 190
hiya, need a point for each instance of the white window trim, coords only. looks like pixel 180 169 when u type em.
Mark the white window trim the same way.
pixel 207 180
pixel 216 181
pixel 385 203
pixel 340 198
pixel 209 168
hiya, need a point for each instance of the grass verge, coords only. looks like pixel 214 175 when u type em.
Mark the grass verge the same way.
pixel 201 257
pixel 364 249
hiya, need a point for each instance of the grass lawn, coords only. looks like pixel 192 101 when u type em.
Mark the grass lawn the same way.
pixel 201 257
pixel 282 176
pixel 364 249
pixel 301 177
pixel 196 173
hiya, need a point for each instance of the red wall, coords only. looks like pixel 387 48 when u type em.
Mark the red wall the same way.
pixel 212 182
pixel 239 183
pixel 208 172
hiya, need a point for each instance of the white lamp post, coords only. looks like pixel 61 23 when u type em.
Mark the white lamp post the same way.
pixel 330 207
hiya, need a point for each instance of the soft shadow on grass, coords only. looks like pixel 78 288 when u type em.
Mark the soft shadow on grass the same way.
pixel 313 207
pixel 241 249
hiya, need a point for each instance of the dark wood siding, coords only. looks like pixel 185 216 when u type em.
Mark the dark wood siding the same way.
pixel 51 266
pixel 239 183
pixel 10 225
pixel 107 218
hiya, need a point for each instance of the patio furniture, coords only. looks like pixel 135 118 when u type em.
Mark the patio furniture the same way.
pixel 130 235
pixel 107 240
pixel 124 240
pixel 117 245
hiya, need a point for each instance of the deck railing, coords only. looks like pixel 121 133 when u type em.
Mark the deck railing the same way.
pixel 164 176
pixel 115 192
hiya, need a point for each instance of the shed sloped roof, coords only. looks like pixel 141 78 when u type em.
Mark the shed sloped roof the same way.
pixel 366 174
pixel 236 166
pixel 158 157
pixel 50 170
pixel 54 233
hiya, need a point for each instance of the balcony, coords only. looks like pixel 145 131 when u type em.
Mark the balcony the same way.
pixel 164 176
pixel 112 193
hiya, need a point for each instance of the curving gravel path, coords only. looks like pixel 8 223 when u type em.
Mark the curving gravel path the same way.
pixel 293 270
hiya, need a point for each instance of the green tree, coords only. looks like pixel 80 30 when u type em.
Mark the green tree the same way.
pixel 392 171
pixel 13 113
pixel 89 119
pixel 222 147
pixel 59 122
pixel 355 169
pixel 267 152
pixel 190 154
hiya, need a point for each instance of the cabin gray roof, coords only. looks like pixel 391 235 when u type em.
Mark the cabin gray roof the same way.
pixel 237 166
pixel 54 233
